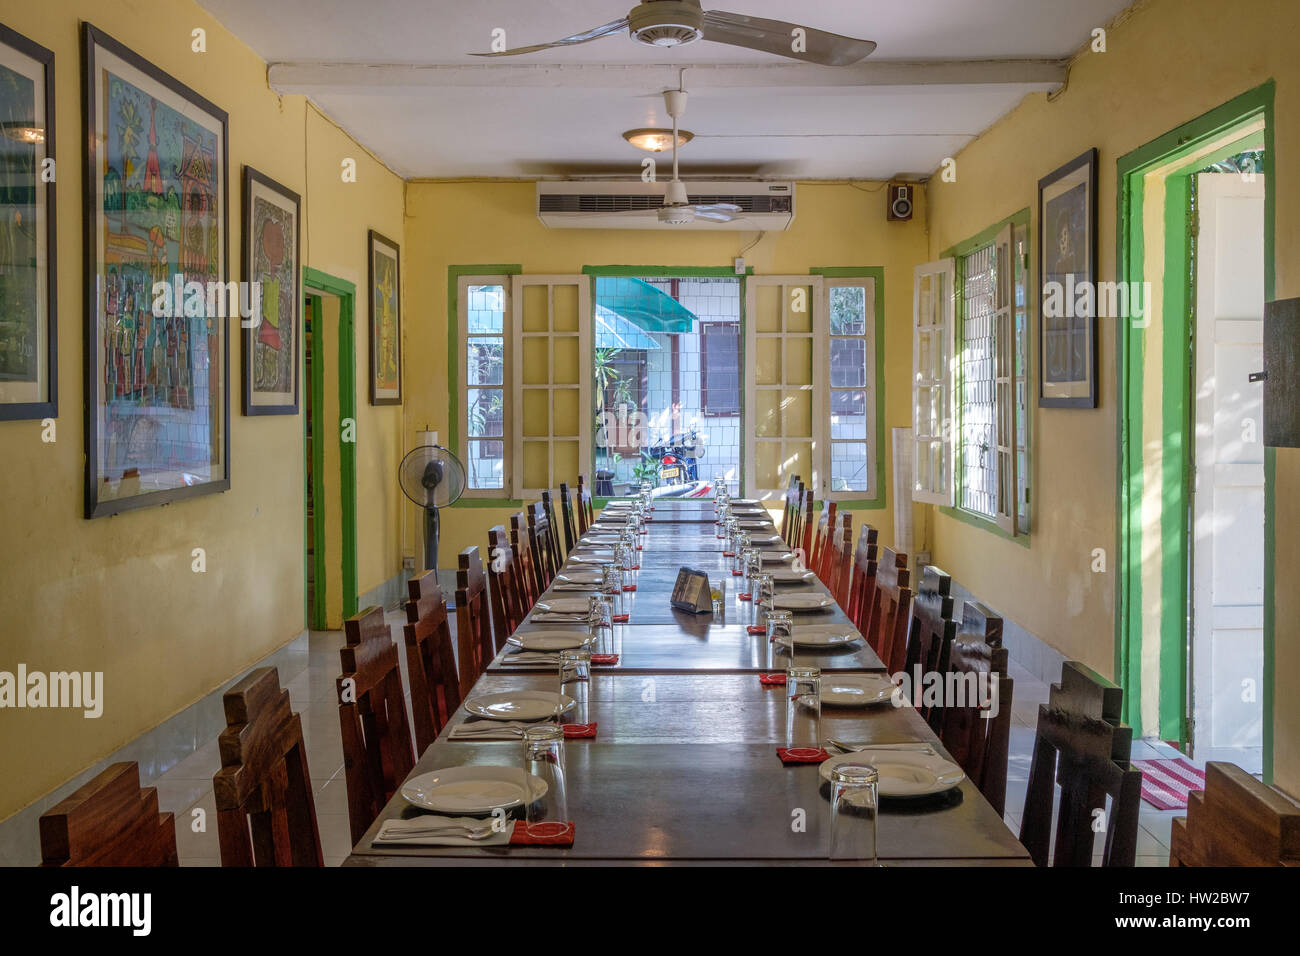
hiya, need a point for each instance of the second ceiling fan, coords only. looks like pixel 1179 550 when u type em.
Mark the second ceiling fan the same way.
pixel 670 23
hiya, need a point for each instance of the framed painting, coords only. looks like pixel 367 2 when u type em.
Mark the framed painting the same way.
pixel 28 343
pixel 270 335
pixel 1067 261
pixel 385 322
pixel 157 290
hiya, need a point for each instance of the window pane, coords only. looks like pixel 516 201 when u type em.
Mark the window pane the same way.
pixel 486 464
pixel 848 363
pixel 848 310
pixel 848 466
pixel 485 308
pixel 977 384
pixel 848 415
pixel 485 412
pixel 485 361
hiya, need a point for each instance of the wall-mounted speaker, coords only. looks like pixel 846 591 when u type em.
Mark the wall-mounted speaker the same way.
pixel 900 202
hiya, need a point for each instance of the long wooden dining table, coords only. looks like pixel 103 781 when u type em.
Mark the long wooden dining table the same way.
pixel 684 768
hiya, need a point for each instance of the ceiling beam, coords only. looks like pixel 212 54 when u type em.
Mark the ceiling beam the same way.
pixel 384 78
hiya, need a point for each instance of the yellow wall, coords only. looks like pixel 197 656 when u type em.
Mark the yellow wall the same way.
pixel 1170 62
pixel 117 594
pixel 476 223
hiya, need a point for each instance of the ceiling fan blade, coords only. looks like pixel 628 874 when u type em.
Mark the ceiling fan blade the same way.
pixel 716 207
pixel 712 214
pixel 595 33
pixel 775 36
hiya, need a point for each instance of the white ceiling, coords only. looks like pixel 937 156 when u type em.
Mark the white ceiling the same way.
pixel 397 75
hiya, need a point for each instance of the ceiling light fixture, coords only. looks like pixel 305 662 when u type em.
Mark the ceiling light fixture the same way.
pixel 655 140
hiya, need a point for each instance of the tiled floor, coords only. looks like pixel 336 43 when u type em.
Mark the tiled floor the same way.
pixel 188 785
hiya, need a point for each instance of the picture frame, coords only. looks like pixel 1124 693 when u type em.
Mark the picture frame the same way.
pixel 271 258
pixel 157 265
pixel 1067 259
pixel 385 274
pixel 29 355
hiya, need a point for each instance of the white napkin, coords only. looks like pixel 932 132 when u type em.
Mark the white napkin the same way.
pixel 436 831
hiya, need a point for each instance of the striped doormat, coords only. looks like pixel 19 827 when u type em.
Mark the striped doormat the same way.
pixel 1165 783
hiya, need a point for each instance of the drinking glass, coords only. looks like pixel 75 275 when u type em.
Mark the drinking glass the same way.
pixel 764 593
pixel 719 484
pixel 780 624
pixel 544 758
pixel 611 583
pixel 738 551
pixel 854 811
pixel 718 593
pixel 575 680
pixel 803 713
pixel 599 614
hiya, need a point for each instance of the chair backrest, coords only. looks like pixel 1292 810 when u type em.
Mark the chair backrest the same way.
pixel 930 638
pixel 819 560
pixel 520 542
pixel 862 578
pixel 791 507
pixel 540 538
pixel 110 821
pixel 430 659
pixel 1082 745
pixel 804 526
pixel 975 730
pixel 840 559
pixel 503 585
pixel 474 645
pixel 1236 821
pixel 377 753
pixel 566 511
pixel 265 812
pixel 557 556
pixel 585 512
pixel 887 622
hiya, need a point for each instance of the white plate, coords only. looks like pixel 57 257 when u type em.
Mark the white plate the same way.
pixel 777 556
pixel 579 577
pixel 903 773
pixel 472 789
pixel 746 525
pixel 518 704
pixel 802 602
pixel 550 640
pixel 788 575
pixel 564 605
pixel 819 636
pixel 856 690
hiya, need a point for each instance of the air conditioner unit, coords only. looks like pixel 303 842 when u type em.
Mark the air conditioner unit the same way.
pixel 767 207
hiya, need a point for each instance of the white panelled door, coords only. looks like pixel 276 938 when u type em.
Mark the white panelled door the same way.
pixel 1228 495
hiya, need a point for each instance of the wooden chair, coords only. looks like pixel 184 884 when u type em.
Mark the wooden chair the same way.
pixel 791 508
pixel 557 556
pixel 1082 745
pixel 803 529
pixel 586 514
pixel 520 544
pixel 265 812
pixel 430 660
pixel 862 578
pixel 503 585
pixel 110 821
pixel 1236 821
pixel 931 636
pixel 474 646
pixel 566 510
pixel 887 620
pixel 819 560
pixel 540 536
pixel 377 754
pixel 979 738
pixel 840 559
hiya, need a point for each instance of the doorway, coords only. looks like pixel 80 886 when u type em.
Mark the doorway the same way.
pixel 1193 629
pixel 329 449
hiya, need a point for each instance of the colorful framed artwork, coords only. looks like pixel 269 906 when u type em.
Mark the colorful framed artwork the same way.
pixel 1067 261
pixel 157 290
pixel 270 337
pixel 28 343
pixel 385 322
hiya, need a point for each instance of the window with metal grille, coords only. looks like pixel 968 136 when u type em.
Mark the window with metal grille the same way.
pixel 976 392
pixel 483 392
pixel 720 368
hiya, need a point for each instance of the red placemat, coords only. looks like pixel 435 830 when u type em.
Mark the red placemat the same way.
pixel 604 658
pixel 579 731
pixel 542 834
pixel 797 755
pixel 756 629
pixel 772 680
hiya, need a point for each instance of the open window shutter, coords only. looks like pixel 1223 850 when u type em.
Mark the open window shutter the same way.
pixel 552 420
pixel 1004 380
pixel 785 396
pixel 933 419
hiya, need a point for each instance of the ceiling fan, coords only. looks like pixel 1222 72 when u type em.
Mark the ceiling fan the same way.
pixel 677 209
pixel 670 23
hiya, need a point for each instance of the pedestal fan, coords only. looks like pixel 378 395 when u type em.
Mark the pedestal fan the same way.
pixel 433 478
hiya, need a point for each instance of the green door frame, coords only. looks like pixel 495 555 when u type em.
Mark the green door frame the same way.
pixel 1176 423
pixel 316 284
pixel 670 272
